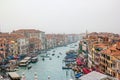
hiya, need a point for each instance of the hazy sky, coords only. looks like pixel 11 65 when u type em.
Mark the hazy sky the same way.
pixel 60 16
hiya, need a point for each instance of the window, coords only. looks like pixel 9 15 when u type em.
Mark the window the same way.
pixel 108 57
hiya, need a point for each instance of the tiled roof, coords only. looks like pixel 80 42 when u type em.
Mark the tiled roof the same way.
pixel 101 45
pixel 113 51
pixel 34 40
pixel 28 30
pixel 2 40
pixel 49 36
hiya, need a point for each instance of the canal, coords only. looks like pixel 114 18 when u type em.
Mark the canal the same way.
pixel 50 67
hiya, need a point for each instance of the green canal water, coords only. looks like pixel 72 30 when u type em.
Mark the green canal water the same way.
pixel 52 68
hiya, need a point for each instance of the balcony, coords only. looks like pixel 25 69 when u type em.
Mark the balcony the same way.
pixel 96 63
pixel 113 68
pixel 118 70
pixel 89 56
pixel 89 61
pixel 103 64
pixel 102 57
pixel 109 61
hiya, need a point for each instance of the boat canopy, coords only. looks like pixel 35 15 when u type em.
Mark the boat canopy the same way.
pixel 14 75
pixel 86 71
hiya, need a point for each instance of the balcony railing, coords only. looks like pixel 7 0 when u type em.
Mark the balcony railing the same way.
pixel 96 63
pixel 113 68
pixel 89 56
pixel 118 70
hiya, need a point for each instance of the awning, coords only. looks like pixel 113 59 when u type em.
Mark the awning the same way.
pixel 79 62
pixel 86 71
pixel 10 57
pixel 16 57
pixel 78 75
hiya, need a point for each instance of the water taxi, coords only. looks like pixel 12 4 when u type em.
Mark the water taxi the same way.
pixel 28 59
pixel 34 59
pixel 29 67
pixel 23 63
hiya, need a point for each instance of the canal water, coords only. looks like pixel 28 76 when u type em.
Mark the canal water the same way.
pixel 52 68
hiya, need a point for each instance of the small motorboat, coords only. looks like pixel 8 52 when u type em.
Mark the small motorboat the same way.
pixel 50 58
pixel 66 67
pixel 58 56
pixel 43 58
pixel 78 75
pixel 60 53
pixel 29 67
pixel 34 59
pixel 53 54
pixel 46 56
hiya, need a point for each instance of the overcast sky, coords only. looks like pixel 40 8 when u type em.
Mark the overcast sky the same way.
pixel 60 16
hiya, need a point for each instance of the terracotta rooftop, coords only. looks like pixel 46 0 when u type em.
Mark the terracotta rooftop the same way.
pixel 49 36
pixel 2 40
pixel 101 45
pixel 113 51
pixel 28 30
pixel 34 40
pixel 4 35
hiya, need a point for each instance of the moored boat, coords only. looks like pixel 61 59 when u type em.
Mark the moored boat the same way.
pixel 29 67
pixel 34 59
pixel 23 63
pixel 43 58
pixel 66 67
pixel 50 58
pixel 14 76
pixel 53 54
pixel 78 75
pixel 58 56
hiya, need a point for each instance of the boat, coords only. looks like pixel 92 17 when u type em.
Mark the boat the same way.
pixel 72 47
pixel 58 56
pixel 50 58
pixel 53 54
pixel 29 67
pixel 34 59
pixel 23 63
pixel 14 76
pixel 11 70
pixel 28 59
pixel 69 60
pixel 66 67
pixel 78 75
pixel 60 53
pixel 43 58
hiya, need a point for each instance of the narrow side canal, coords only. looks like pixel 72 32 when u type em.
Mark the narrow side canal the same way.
pixel 50 67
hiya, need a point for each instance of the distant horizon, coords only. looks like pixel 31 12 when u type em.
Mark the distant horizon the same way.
pixel 57 33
